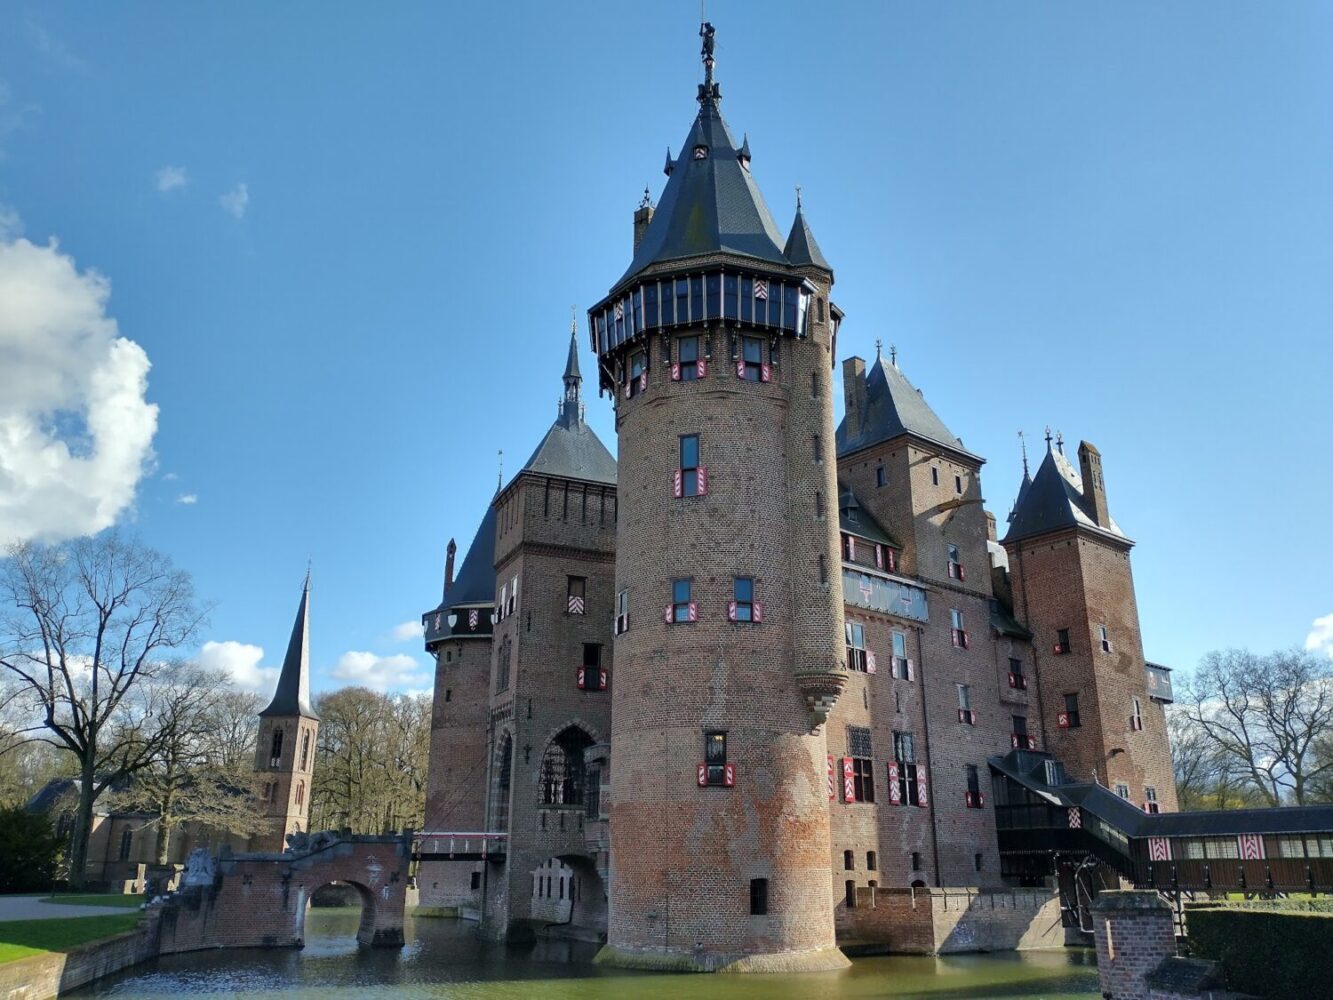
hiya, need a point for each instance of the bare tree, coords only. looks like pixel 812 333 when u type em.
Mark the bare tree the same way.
pixel 1206 777
pixel 81 625
pixel 1265 716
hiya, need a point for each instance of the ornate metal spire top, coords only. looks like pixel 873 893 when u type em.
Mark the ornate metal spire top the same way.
pixel 708 90
pixel 1048 437
pixel 1023 444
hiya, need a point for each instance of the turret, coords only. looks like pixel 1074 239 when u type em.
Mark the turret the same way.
pixel 717 349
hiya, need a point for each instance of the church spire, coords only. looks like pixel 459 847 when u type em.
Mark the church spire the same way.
pixel 292 696
pixel 571 407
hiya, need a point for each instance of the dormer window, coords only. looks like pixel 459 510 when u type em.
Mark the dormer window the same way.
pixel 701 152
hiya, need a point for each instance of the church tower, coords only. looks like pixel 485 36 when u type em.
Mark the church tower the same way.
pixel 285 750
pixel 717 347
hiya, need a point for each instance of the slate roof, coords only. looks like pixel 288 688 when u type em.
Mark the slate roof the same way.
pixel 864 526
pixel 475 582
pixel 710 205
pixel 801 247
pixel 1054 500
pixel 893 406
pixel 573 451
pixel 292 696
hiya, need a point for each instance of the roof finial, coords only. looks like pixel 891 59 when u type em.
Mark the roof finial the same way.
pixel 574 314
pixel 893 355
pixel 1060 441
pixel 1023 444
pixel 798 197
pixel 500 476
pixel 708 90
pixel 879 349
pixel 647 198
pixel 1048 437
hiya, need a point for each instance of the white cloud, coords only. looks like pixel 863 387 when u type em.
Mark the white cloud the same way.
pixel 1320 638
pixel 76 433
pixel 53 48
pixel 12 114
pixel 236 201
pixel 169 178
pixel 11 226
pixel 407 631
pixel 189 499
pixel 240 662
pixel 170 477
pixel 380 673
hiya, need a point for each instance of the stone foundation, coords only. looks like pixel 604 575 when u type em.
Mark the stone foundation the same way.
pixel 950 921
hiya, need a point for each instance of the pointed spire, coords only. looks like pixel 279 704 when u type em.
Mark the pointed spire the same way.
pixel 801 245
pixel 709 91
pixel 292 696
pixel 744 154
pixel 1023 444
pixel 670 164
pixel 571 412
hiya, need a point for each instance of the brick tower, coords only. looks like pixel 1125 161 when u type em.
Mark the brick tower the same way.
pixel 285 747
pixel 716 345
pixel 1103 705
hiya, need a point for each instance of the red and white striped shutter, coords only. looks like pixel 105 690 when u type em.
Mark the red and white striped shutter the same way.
pixel 851 547
pixel 703 774
pixel 675 371
pixel 757 611
pixel 964 636
pixel 765 372
pixel 694 612
pixel 702 481
pixel 581 678
pixel 911 670
pixel 1013 740
pixel 731 611
pixel 848 780
pixel 643 382
pixel 923 799
pixel 601 678
pixel 870 662
pixel 677 488
pixel 879 556
pixel 832 785
pixel 895 789
pixel 1159 849
pixel 669 615
pixel 729 775
pixel 1062 720
pixel 703 368
pixel 740 368
pixel 1075 818
pixel 962 573
pixel 627 387
pixel 893 562
pixel 1251 846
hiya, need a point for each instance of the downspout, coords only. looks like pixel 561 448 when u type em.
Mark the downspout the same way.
pixel 930 774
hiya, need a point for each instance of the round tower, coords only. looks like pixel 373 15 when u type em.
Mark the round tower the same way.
pixel 717 347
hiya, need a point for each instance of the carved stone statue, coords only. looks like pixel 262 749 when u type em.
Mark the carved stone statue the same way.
pixel 199 868
pixel 706 31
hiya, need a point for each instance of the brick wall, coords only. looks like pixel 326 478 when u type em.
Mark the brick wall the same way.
pixel 1134 934
pixel 48 975
pixel 946 921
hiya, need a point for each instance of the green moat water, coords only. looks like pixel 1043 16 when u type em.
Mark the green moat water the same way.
pixel 444 959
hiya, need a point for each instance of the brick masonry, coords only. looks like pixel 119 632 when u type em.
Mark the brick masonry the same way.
pixel 1134 934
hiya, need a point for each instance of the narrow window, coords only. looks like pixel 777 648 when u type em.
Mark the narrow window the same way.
pixel 850 888
pixel 715 757
pixel 476 880
pixel 638 378
pixel 305 749
pixel 681 600
pixel 819 448
pixel 823 569
pixel 689 359
pixel 1136 715
pixel 819 503
pixel 904 753
pixel 448 694
pixel 576 595
pixel 959 634
pixel 955 563
pixel 513 595
pixel 743 591
pixel 752 359
pixel 916 861
pixel 871 861
pixel 977 862
pixel 758 897
pixel 814 385
pixel 1151 805
pixel 1020 740
pixel 126 844
pixel 848 860
pixel 1017 679
pixel 965 713
pixel 881 476
pixel 863 772
pixel 1062 641
pixel 300 793
pixel 856 646
pixel 934 476
pixel 689 465
pixel 958 485
pixel 275 758
pixel 1068 719
pixel 902 668
pixel 1104 637
pixel 974 799
pixel 622 612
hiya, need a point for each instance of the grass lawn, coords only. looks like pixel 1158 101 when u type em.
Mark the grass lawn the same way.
pixel 131 900
pixel 21 938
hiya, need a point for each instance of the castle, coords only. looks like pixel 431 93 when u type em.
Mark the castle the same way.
pixel 726 691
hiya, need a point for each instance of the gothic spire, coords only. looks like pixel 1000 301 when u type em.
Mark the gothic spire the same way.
pixel 292 696
pixel 801 247
pixel 571 406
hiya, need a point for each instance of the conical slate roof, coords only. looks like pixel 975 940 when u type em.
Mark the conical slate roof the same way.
pixel 801 247
pixel 572 364
pixel 570 449
pixel 475 582
pixel 893 406
pixel 292 696
pixel 1054 500
pixel 710 203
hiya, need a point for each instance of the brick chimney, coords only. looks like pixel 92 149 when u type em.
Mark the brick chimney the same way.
pixel 449 565
pixel 854 393
pixel 1094 487
pixel 642 216
pixel 990 527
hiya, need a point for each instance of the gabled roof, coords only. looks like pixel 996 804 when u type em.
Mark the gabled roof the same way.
pixel 1052 501
pixel 801 248
pixel 710 203
pixel 856 520
pixel 292 696
pixel 893 406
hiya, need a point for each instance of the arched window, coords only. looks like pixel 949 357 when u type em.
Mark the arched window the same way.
pixel 275 757
pixel 562 778
pixel 300 793
pixel 305 750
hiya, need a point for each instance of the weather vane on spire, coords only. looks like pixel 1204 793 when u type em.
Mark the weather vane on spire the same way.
pixel 573 320
pixel 708 90
pixel 1023 444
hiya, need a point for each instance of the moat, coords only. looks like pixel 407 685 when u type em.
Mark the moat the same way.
pixel 444 958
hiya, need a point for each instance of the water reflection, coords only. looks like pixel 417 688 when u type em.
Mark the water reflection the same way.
pixel 445 959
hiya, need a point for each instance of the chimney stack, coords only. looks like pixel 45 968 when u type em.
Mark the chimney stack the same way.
pixel 642 216
pixel 854 393
pixel 449 566
pixel 1094 487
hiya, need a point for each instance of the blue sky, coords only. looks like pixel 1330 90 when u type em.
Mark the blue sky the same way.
pixel 347 240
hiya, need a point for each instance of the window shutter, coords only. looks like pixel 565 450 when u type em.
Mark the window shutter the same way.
pixel 643 382
pixel 962 574
pixel 731 611
pixel 740 368
pixel 1108 645
pixel 675 371
pixel 694 612
pixel 870 662
pixel 1062 720
pixel 848 780
pixel 893 562
pixel 879 556
pixel 703 368
pixel 832 785
pixel 669 615
pixel 911 670
pixel 1014 739
pixel 703 775
pixel 582 679
pixel 728 775
pixel 851 547
pixel 895 789
pixel 962 637
pixel 601 680
pixel 955 634
pixel 922 799
pixel 676 484
pixel 765 372
pixel 702 480
pixel 757 612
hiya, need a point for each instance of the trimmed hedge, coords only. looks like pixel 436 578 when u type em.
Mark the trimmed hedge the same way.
pixel 1280 955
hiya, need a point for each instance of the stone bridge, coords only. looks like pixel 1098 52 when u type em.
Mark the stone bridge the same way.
pixel 259 900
